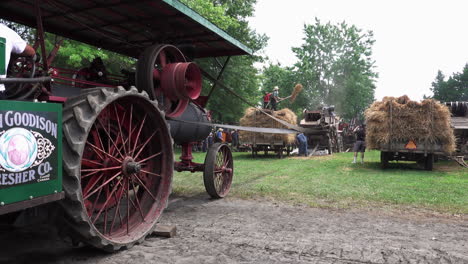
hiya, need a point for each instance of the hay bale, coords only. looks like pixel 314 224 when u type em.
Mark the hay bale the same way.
pixel 419 121
pixel 255 118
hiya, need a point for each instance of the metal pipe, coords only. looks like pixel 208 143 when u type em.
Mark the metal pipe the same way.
pixel 25 80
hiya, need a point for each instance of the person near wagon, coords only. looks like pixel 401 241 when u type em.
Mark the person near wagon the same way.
pixel 11 43
pixel 274 99
pixel 266 100
pixel 302 142
pixel 360 145
pixel 210 139
pixel 235 139
pixel 219 136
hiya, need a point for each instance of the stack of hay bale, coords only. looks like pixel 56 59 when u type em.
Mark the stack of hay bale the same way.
pixel 255 118
pixel 428 120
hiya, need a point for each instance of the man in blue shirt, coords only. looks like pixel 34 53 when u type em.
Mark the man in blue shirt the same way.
pixel 302 141
pixel 219 135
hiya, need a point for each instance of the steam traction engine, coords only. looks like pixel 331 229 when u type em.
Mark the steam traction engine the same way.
pixel 116 147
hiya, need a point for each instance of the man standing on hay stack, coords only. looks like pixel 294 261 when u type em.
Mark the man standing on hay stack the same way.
pixel 266 100
pixel 275 98
pixel 360 145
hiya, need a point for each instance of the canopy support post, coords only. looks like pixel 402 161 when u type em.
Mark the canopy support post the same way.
pixel 40 34
pixel 217 78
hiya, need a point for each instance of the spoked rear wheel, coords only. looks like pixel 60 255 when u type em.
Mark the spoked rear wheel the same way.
pixel 118 166
pixel 219 169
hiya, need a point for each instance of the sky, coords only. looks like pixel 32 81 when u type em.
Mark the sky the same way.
pixel 414 38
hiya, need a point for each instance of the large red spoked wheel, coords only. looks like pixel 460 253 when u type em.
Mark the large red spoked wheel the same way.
pixel 118 165
pixel 219 170
pixel 164 73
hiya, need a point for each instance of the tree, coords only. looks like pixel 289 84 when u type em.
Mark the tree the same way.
pixel 336 68
pixel 241 75
pixel 454 89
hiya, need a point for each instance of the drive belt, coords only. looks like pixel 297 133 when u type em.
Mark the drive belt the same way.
pixel 244 128
pixel 288 125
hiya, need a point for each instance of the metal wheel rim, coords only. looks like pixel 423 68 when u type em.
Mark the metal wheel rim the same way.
pixel 121 200
pixel 223 170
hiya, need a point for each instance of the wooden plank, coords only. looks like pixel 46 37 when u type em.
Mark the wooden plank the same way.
pixel 165 231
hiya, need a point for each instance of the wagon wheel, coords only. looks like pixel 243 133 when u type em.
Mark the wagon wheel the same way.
pixel 219 169
pixel 149 76
pixel 254 152
pixel 279 152
pixel 384 159
pixel 429 162
pixel 117 158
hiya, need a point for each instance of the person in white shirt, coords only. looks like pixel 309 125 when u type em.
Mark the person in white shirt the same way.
pixel 11 42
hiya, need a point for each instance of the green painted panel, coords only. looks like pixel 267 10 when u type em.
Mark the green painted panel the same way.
pixel 30 150
pixel 197 17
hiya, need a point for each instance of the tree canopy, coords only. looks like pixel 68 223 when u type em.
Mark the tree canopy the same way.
pixel 455 88
pixel 240 74
pixel 335 66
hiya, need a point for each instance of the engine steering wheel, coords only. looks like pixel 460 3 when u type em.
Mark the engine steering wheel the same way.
pixel 21 67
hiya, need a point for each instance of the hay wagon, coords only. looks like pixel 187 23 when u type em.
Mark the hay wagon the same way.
pixel 409 131
pixel 459 122
pixel 98 144
pixel 265 142
pixel 269 144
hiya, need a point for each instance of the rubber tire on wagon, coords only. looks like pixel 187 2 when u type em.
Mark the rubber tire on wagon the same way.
pixel 219 170
pixel 384 159
pixel 429 162
pixel 140 132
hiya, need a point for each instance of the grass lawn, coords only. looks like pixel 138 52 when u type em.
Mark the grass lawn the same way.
pixel 333 182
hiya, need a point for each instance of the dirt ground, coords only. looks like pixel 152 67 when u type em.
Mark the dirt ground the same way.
pixel 240 231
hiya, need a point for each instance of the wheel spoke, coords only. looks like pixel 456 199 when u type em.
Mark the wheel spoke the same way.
pixel 103 152
pixel 96 150
pixel 103 169
pixel 129 139
pixel 146 143
pixel 102 185
pixel 151 173
pixel 144 186
pixel 150 157
pixel 137 200
pixel 91 183
pixel 96 140
pixel 110 138
pixel 120 128
pixel 90 163
pixel 89 174
pixel 105 204
pixel 117 208
pixel 138 134
pixel 96 201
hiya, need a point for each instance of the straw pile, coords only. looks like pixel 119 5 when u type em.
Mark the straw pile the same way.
pixel 254 118
pixel 428 120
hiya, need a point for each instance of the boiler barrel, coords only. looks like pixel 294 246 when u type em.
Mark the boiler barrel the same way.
pixel 185 132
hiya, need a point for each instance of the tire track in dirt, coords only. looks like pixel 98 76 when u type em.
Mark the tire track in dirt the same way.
pixel 240 231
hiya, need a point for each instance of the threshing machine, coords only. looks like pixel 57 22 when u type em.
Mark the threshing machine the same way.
pixel 322 129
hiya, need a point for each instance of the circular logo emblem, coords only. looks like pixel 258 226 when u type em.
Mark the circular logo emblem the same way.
pixel 18 149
